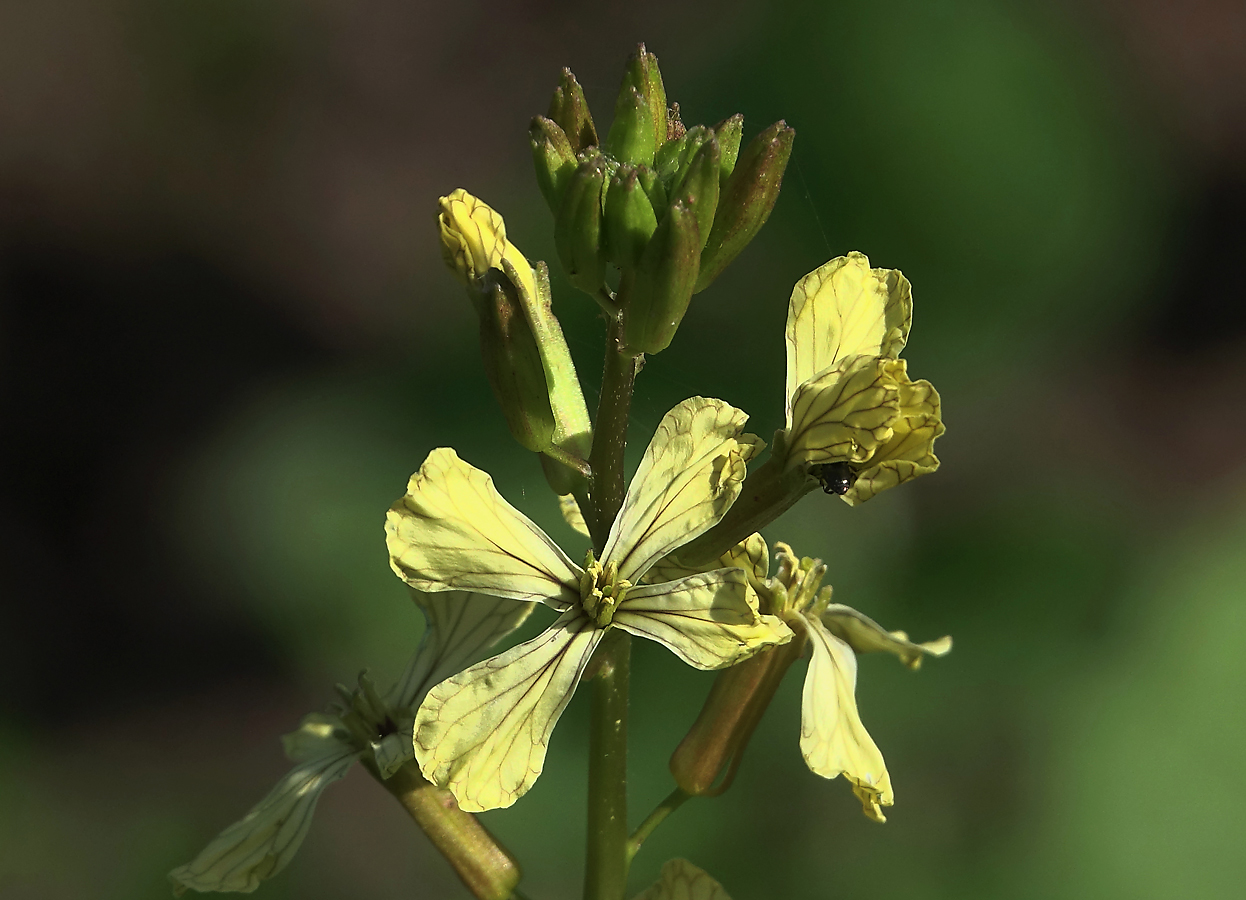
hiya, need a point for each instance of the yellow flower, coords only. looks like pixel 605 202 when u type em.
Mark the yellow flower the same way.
pixel 833 739
pixel 854 419
pixel 473 240
pixel 483 732
pixel 377 730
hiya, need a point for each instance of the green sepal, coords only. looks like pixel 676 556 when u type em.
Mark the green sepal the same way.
pixel 675 157
pixel 553 158
pixel 747 199
pixel 661 288
pixel 569 110
pixel 699 187
pixel 653 187
pixel 629 217
pixel 644 75
pixel 513 362
pixel 631 137
pixel 728 133
pixel 577 224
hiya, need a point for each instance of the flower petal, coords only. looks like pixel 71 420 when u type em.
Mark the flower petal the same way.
pixel 690 475
pixel 318 735
pixel 751 554
pixel 483 733
pixel 454 530
pixel 681 880
pixel 844 308
pixel 263 842
pixel 864 635
pixel 832 738
pixel 845 414
pixel 909 452
pixel 571 512
pixel 709 620
pixel 461 627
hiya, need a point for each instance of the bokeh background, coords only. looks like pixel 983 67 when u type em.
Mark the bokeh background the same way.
pixel 227 338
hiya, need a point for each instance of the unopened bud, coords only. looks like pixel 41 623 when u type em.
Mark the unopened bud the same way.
pixel 729 132
pixel 473 236
pixel 705 762
pixel 513 365
pixel 673 160
pixel 630 219
pixel 644 75
pixel 553 158
pixel 631 138
pixel 747 199
pixel 662 286
pixel 699 186
pixel 569 110
pixel 577 225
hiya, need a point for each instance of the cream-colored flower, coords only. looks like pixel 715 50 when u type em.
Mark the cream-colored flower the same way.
pixel 833 739
pixel 461 627
pixel 854 419
pixel 681 880
pixel 483 732
pixel 473 240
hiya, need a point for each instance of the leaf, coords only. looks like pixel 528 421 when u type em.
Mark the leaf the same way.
pixel 483 733
pixel 687 480
pixel 461 627
pixel 681 880
pixel 833 740
pixel 453 530
pixel 708 620
pixel 844 308
pixel 262 843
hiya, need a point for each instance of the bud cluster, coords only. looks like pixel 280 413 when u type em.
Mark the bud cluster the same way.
pixel 670 207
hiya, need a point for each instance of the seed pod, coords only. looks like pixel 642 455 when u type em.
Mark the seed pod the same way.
pixel 553 157
pixel 728 132
pixel 629 217
pixel 577 224
pixel 746 199
pixel 699 187
pixel 569 110
pixel 662 286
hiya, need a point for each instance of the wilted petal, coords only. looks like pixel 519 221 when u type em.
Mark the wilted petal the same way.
pixel 318 735
pixel 461 628
pixel 751 555
pixel 690 475
pixel 453 530
pixel 483 733
pixel 865 635
pixel 681 880
pixel 832 738
pixel 909 452
pixel 708 620
pixel 264 841
pixel 841 309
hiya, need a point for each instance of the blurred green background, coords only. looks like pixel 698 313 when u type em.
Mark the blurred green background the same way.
pixel 227 338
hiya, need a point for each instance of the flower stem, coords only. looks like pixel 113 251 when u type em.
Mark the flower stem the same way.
pixel 605 872
pixel 665 808
pixel 610 433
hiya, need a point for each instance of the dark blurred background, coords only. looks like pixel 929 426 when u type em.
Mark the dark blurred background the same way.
pixel 227 338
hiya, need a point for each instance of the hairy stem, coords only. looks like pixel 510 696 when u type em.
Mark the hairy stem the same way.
pixel 605 872
pixel 610 433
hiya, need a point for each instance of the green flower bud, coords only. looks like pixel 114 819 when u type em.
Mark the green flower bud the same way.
pixel 653 187
pixel 577 224
pixel 673 159
pixel 747 199
pixel 661 287
pixel 630 219
pixel 553 157
pixel 569 110
pixel 631 138
pixel 699 187
pixel 643 74
pixel 728 133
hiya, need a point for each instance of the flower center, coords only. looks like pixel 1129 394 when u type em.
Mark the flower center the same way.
pixel 602 590
pixel 795 587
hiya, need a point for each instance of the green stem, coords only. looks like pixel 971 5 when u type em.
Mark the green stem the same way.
pixel 605 873
pixel 610 433
pixel 657 817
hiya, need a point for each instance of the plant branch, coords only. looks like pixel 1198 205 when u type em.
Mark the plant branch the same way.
pixel 653 820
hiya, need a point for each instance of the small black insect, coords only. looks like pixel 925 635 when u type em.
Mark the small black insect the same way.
pixel 836 477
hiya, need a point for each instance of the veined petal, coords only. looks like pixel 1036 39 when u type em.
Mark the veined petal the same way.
pixel 483 733
pixel 844 308
pixel 751 555
pixel 832 738
pixel 318 735
pixel 690 475
pixel 910 450
pixel 263 842
pixel 681 880
pixel 453 530
pixel 572 513
pixel 864 635
pixel 391 751
pixel 845 414
pixel 708 620
pixel 461 628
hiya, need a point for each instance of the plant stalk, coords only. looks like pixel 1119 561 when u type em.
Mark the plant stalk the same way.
pixel 606 864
